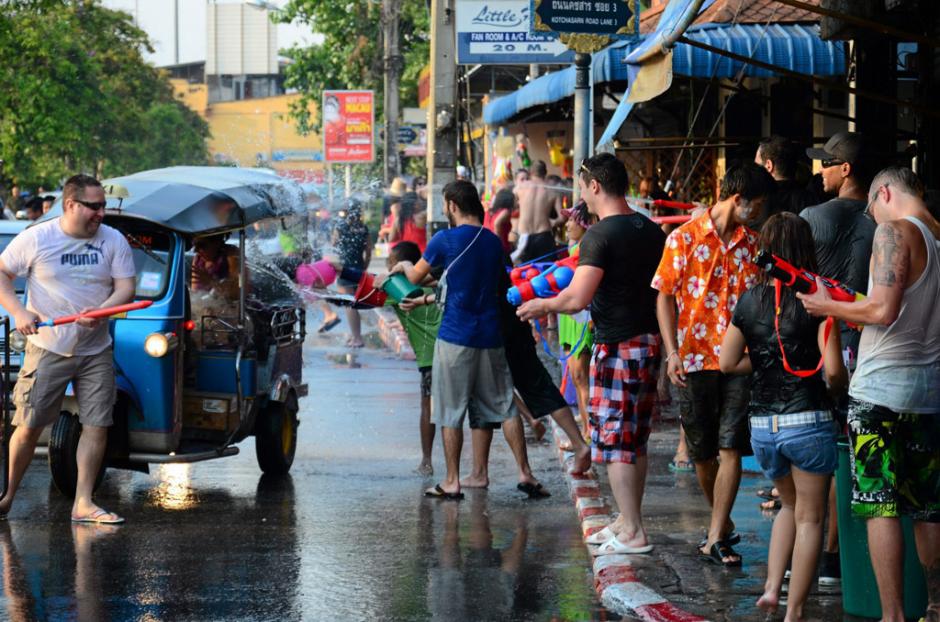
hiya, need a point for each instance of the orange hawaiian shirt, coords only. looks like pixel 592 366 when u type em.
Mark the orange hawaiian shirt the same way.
pixel 707 278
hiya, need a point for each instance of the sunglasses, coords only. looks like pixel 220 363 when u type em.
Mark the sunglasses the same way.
pixel 872 201
pixel 832 162
pixel 96 206
pixel 585 169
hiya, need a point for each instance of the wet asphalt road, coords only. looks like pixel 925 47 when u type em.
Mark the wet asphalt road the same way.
pixel 347 536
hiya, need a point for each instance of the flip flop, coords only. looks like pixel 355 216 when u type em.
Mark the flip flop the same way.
pixel 682 466
pixel 601 536
pixel 326 326
pixel 771 505
pixel 535 491
pixel 732 539
pixel 98 517
pixel 767 493
pixel 439 493
pixel 717 552
pixel 616 547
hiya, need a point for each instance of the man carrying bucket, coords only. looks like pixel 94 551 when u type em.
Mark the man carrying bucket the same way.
pixel 469 360
pixel 73 264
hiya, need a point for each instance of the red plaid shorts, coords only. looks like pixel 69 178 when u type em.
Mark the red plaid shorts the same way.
pixel 623 398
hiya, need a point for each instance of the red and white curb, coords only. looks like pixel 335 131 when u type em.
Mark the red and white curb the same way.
pixel 615 578
pixel 393 334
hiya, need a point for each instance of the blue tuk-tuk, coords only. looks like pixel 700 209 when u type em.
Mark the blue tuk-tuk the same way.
pixel 195 379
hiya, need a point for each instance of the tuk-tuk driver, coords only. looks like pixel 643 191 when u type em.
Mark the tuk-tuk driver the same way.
pixel 216 267
pixel 72 264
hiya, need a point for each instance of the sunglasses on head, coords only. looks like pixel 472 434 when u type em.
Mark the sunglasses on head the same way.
pixel 832 162
pixel 92 205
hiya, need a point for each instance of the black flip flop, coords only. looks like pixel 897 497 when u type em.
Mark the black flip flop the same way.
pixel 325 326
pixel 767 493
pixel 439 493
pixel 775 505
pixel 732 539
pixel 535 491
pixel 717 552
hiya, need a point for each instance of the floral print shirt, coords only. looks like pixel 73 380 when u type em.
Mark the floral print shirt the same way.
pixel 707 278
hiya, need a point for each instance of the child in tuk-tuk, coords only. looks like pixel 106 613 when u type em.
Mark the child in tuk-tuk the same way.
pixel 216 267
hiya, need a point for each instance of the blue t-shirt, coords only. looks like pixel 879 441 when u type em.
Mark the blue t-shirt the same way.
pixel 471 311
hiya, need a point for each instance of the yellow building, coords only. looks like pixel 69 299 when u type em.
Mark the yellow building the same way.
pixel 256 132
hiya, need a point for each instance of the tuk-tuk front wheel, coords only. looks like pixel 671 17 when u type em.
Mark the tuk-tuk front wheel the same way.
pixel 276 436
pixel 63 445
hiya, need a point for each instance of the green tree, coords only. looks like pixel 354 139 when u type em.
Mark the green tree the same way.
pixel 77 95
pixel 350 55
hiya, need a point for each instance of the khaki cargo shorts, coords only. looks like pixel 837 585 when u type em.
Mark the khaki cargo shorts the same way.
pixel 44 376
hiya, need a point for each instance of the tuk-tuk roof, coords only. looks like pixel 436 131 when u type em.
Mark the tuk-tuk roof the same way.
pixel 201 200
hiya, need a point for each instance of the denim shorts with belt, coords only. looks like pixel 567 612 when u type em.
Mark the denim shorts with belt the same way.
pixel 806 440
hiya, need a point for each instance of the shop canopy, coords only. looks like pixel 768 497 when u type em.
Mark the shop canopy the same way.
pixel 791 46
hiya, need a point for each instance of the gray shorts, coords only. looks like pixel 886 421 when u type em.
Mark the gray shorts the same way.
pixel 461 374
pixel 44 377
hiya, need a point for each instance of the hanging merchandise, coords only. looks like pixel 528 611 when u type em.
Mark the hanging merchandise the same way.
pixel 522 150
pixel 556 142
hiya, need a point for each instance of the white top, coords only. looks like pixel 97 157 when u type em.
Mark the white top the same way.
pixel 899 365
pixel 65 275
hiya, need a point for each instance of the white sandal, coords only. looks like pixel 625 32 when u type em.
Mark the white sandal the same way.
pixel 601 536
pixel 616 547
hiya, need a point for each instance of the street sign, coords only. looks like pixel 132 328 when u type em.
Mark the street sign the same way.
pixel 348 126
pixel 498 32
pixel 612 18
pixel 407 134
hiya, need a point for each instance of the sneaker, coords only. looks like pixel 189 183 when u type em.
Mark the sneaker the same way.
pixel 830 572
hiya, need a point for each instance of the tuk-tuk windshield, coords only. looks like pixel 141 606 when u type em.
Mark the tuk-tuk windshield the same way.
pixel 153 252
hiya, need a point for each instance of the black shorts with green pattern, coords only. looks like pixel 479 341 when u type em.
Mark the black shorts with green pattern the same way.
pixel 895 462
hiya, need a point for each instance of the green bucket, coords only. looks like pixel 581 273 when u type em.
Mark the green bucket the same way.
pixel 859 588
pixel 398 287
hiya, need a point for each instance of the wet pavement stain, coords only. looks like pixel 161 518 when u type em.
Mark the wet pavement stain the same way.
pixel 347 535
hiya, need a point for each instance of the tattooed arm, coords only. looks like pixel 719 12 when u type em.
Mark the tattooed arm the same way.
pixel 890 265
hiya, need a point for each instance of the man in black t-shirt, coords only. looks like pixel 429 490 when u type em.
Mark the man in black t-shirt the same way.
pixel 842 232
pixel 778 156
pixel 618 258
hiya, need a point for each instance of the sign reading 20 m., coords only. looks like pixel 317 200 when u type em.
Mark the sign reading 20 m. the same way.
pixel 614 18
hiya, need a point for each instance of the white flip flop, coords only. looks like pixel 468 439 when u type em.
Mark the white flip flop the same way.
pixel 600 537
pixel 616 547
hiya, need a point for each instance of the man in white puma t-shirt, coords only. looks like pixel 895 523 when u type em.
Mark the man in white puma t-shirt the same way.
pixel 72 264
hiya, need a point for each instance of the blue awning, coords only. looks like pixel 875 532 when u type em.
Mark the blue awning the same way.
pixel 792 46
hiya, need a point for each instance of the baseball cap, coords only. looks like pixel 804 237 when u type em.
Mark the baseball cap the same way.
pixel 846 146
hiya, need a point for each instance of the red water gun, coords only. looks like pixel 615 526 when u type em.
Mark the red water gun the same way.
pixel 803 281
pixel 521 274
pixel 545 284
pixel 97 313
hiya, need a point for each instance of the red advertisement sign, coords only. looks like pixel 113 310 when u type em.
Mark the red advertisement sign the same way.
pixel 348 126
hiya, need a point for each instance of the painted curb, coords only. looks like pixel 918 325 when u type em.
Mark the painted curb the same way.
pixel 615 578
pixel 393 334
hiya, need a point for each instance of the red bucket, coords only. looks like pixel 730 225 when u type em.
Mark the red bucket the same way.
pixel 368 294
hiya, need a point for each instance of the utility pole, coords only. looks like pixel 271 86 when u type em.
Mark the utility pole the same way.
pixel 442 121
pixel 393 65
pixel 582 114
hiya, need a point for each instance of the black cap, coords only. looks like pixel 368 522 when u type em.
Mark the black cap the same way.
pixel 846 146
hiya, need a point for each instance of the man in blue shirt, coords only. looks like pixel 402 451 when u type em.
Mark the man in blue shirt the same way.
pixel 469 361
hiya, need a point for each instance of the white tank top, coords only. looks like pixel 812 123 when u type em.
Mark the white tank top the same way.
pixel 899 365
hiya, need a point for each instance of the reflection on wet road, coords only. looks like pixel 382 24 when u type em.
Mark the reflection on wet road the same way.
pixel 347 536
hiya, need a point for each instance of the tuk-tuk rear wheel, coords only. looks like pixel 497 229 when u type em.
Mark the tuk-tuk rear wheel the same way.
pixel 63 445
pixel 276 436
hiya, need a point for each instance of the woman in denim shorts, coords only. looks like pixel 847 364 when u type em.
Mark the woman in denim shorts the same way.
pixel 792 429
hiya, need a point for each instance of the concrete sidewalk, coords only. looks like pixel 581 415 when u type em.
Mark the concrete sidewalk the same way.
pixel 677 518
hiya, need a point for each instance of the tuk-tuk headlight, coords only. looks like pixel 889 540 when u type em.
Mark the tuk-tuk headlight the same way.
pixel 158 344
pixel 17 341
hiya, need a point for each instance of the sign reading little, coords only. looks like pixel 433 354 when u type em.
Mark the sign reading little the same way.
pixel 613 18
